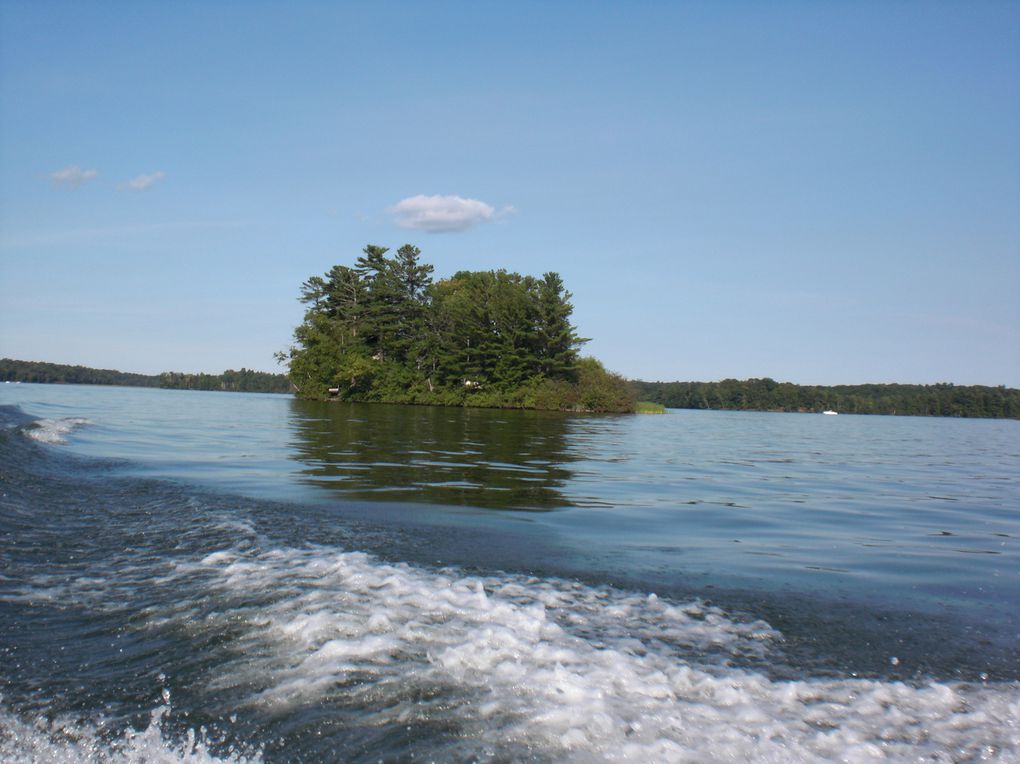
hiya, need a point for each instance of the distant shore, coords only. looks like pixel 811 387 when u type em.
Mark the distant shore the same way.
pixel 243 381
pixel 943 399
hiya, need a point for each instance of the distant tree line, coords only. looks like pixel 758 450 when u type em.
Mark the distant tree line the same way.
pixel 383 330
pixel 592 387
pixel 245 380
pixel 766 394
pixel 58 373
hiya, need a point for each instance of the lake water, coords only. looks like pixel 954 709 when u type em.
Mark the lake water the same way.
pixel 213 576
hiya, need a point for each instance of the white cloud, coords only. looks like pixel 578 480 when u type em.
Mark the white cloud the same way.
pixel 443 214
pixel 72 176
pixel 143 182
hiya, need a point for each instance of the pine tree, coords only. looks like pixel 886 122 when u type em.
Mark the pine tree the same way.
pixel 556 340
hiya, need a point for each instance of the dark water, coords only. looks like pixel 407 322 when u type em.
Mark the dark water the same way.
pixel 229 577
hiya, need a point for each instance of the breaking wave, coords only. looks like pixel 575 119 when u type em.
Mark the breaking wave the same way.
pixel 66 740
pixel 54 431
pixel 571 671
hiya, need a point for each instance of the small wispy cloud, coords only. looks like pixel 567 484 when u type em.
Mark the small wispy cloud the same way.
pixel 72 176
pixel 145 182
pixel 444 214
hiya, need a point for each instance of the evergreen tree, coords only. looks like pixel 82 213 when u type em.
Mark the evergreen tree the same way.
pixel 556 339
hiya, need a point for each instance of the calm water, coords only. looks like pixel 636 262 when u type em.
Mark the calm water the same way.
pixel 233 577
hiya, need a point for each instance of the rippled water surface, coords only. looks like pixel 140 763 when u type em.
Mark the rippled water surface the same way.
pixel 229 576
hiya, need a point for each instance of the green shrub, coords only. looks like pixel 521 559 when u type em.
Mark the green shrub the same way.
pixel 647 407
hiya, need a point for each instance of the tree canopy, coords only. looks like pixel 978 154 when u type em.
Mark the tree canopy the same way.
pixel 383 330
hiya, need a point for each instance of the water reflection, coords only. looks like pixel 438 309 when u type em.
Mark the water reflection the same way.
pixel 474 457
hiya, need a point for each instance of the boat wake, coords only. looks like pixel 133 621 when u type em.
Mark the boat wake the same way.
pixel 116 592
pixel 54 431
pixel 515 665
pixel 67 740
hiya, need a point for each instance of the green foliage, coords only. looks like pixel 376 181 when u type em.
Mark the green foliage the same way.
pixel 601 390
pixel 768 395
pixel 245 380
pixel 647 407
pixel 549 394
pixel 385 331
pixel 12 370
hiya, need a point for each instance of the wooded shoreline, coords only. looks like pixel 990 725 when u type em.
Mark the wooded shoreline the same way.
pixel 943 399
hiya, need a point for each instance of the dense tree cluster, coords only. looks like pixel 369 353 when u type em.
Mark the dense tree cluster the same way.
pixel 245 380
pixel 383 330
pixel 58 373
pixel 768 395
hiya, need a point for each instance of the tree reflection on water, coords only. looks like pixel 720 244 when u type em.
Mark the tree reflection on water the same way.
pixel 487 458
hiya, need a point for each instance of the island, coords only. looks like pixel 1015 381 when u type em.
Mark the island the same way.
pixel 382 330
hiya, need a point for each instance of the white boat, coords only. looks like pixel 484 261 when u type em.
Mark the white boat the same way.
pixel 830 413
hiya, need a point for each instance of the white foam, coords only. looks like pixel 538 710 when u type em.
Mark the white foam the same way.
pixel 530 667
pixel 69 741
pixel 55 431
pixel 575 672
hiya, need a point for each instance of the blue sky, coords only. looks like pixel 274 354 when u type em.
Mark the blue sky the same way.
pixel 817 192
